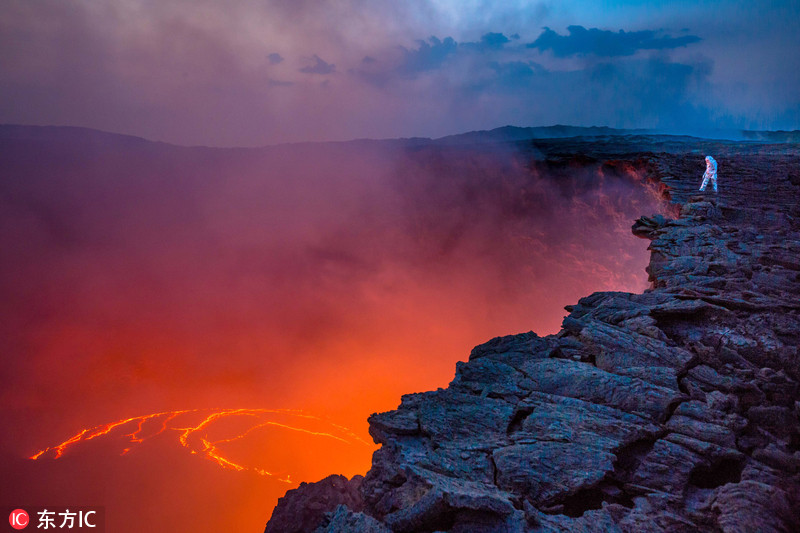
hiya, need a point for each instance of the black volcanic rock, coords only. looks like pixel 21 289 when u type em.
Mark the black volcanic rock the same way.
pixel 304 508
pixel 673 410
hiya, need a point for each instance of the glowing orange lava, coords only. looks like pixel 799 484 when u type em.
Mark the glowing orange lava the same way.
pixel 193 435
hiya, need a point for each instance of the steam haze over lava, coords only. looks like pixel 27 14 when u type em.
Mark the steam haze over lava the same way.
pixel 151 291
pixel 330 278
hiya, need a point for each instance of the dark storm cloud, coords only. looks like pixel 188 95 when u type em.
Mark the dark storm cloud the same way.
pixel 435 53
pixel 429 55
pixel 614 89
pixel 605 43
pixel 320 66
pixel 497 80
pixel 200 76
pixel 496 53
pixel 489 41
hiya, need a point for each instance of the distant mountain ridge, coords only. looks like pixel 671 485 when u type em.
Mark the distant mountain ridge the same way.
pixel 515 133
pixel 560 131
pixel 506 133
pixel 65 133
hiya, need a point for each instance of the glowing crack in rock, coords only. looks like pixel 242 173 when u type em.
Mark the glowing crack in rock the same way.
pixel 193 435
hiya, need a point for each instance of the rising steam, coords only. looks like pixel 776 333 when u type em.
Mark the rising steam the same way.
pixel 325 277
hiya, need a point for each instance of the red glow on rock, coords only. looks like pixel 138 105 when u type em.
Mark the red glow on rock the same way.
pixel 328 278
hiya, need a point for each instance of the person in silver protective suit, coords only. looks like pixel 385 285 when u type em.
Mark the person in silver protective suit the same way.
pixel 710 173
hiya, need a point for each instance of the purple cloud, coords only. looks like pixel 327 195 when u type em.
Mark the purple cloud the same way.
pixel 320 66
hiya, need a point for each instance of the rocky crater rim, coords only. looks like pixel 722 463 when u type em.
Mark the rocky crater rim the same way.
pixel 677 409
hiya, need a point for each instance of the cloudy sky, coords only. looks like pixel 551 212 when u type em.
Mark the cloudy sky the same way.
pixel 252 72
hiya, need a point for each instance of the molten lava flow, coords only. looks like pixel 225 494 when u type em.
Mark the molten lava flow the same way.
pixel 193 434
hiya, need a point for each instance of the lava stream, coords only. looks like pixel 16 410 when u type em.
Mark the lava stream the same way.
pixel 194 437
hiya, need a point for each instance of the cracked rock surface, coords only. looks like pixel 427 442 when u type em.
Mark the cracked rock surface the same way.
pixel 672 410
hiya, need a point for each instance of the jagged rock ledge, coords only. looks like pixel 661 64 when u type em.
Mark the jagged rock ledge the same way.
pixel 672 410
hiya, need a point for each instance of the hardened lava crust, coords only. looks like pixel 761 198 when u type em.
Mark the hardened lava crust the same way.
pixel 672 410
